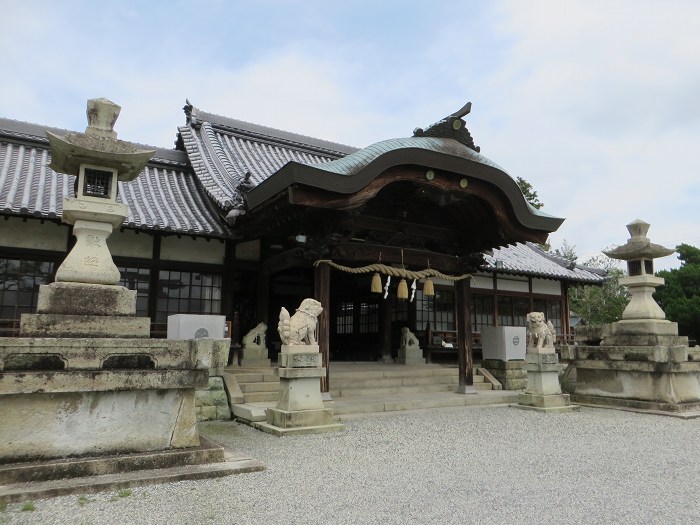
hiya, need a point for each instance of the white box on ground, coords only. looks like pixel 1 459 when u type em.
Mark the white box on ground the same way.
pixel 190 326
pixel 503 342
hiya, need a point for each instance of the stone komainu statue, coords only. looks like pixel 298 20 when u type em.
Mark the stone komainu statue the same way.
pixel 408 339
pixel 300 328
pixel 256 337
pixel 540 334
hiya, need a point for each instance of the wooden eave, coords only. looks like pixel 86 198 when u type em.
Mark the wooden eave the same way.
pixel 347 190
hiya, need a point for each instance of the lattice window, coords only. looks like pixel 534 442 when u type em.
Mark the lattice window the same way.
pixel 345 317
pixel 19 285
pixel 438 310
pixel 137 279
pixel 482 311
pixel 369 318
pixel 187 293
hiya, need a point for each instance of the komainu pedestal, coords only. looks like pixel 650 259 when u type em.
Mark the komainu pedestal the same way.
pixel 300 408
pixel 543 390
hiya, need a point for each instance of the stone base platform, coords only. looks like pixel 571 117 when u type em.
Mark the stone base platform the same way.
pixel 410 356
pixel 294 422
pixel 79 326
pixel 546 403
pixel 44 479
pixel 689 410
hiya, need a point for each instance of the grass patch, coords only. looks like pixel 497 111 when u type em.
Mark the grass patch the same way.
pixel 28 506
pixel 3 505
pixel 124 493
pixel 82 500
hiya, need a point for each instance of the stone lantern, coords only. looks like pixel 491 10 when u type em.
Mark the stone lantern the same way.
pixel 99 161
pixel 640 252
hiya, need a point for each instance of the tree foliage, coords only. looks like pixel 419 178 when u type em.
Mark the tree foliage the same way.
pixel 680 296
pixel 529 193
pixel 596 304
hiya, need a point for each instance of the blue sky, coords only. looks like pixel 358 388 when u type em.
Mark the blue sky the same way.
pixel 593 102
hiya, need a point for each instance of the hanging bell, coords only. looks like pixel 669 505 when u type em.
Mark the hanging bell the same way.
pixel 428 288
pixel 376 283
pixel 402 290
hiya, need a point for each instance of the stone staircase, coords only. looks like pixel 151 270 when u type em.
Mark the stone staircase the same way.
pixel 369 387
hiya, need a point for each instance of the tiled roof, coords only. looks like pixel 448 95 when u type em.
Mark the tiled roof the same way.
pixel 223 150
pixel 164 197
pixel 530 259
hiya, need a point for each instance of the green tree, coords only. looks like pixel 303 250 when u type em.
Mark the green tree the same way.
pixel 597 304
pixel 529 193
pixel 680 296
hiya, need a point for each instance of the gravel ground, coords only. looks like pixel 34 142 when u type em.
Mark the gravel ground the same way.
pixel 464 465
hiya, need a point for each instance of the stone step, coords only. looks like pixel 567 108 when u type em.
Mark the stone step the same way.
pixel 256 377
pixel 259 397
pixel 407 371
pixel 415 389
pixel 389 403
pixel 267 386
pixel 360 381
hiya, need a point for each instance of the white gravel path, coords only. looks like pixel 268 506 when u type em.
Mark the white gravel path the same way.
pixel 465 465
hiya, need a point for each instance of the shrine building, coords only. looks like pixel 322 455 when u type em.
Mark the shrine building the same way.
pixel 241 219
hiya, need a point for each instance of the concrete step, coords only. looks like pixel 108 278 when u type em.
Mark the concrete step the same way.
pixel 400 371
pixel 404 389
pixel 267 386
pixel 259 397
pixel 391 403
pixel 256 377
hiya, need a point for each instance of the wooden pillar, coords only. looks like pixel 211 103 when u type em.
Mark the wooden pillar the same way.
pixel 464 337
pixel 322 293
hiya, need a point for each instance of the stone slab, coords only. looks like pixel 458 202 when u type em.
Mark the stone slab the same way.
pixel 245 362
pixel 689 410
pixel 85 299
pixel 234 463
pixel 93 353
pixel 299 418
pixel 43 426
pixel 293 373
pixel 497 364
pixel 666 383
pixel 249 412
pixel 541 359
pixel 410 356
pixel 63 468
pixel 59 382
pixel 299 349
pixel 54 325
pixel 543 382
pixel 253 352
pixel 550 410
pixel 640 327
pixel 280 432
pixel 300 360
pixel 544 401
pixel 299 393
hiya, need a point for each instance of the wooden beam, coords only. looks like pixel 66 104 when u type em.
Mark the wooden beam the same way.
pixel 359 222
pixel 369 253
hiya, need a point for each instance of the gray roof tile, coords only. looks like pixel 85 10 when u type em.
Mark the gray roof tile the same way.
pixel 530 259
pixel 165 197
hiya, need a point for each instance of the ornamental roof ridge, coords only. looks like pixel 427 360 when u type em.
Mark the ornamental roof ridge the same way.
pixel 451 127
pixel 196 116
